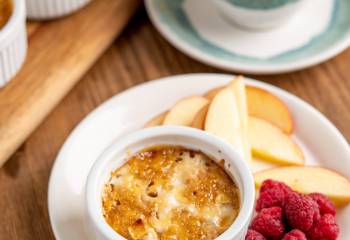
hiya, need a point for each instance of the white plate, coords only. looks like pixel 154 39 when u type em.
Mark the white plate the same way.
pixel 197 28
pixel 128 111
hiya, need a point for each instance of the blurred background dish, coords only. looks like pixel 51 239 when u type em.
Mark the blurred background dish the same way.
pixel 48 9
pixel 13 38
pixel 199 29
pixel 259 14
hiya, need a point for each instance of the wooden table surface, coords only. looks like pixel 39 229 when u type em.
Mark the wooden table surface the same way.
pixel 139 55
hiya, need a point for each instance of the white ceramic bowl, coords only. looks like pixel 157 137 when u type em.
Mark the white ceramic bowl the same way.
pixel 13 43
pixel 49 9
pixel 116 155
pixel 259 18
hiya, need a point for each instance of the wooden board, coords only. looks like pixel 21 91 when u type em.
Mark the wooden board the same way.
pixel 60 53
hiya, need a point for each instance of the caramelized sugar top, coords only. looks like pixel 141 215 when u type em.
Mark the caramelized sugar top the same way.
pixel 168 192
pixel 5 11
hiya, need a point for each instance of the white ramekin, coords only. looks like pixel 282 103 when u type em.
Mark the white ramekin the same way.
pixel 13 43
pixel 49 9
pixel 117 154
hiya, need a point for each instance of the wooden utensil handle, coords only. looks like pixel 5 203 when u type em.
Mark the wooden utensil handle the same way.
pixel 60 52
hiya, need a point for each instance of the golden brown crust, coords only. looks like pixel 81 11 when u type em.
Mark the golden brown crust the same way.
pixel 5 12
pixel 167 191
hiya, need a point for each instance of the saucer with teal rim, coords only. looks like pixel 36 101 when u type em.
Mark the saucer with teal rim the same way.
pixel 319 30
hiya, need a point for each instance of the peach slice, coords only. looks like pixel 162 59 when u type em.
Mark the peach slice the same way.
pixel 184 111
pixel 223 120
pixel 310 179
pixel 269 143
pixel 157 120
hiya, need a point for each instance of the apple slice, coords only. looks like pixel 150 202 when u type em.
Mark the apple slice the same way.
pixel 238 88
pixel 184 111
pixel 263 104
pixel 269 143
pixel 257 165
pixel 310 179
pixel 212 93
pixel 157 120
pixel 223 120
pixel 199 119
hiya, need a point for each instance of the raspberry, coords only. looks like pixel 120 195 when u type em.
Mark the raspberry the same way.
pixel 317 214
pixel 269 222
pixel 272 194
pixel 324 204
pixel 254 235
pixel 325 229
pixel 294 235
pixel 300 211
pixel 269 183
pixel 270 198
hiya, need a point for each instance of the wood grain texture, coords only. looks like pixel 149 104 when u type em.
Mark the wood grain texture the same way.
pixel 140 55
pixel 60 52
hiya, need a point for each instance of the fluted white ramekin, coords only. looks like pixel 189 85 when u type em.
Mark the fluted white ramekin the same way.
pixel 13 43
pixel 48 9
pixel 116 155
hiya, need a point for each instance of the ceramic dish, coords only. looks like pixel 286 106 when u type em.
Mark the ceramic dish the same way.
pixel 321 143
pixel 48 9
pixel 198 28
pixel 13 43
pixel 115 156
pixel 258 15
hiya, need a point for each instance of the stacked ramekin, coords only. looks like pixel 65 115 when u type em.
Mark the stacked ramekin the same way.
pixel 48 9
pixel 13 36
pixel 13 43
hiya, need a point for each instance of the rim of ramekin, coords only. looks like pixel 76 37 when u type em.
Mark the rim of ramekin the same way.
pixel 93 196
pixel 7 32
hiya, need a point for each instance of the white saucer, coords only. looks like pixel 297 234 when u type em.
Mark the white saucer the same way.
pixel 197 28
pixel 128 111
